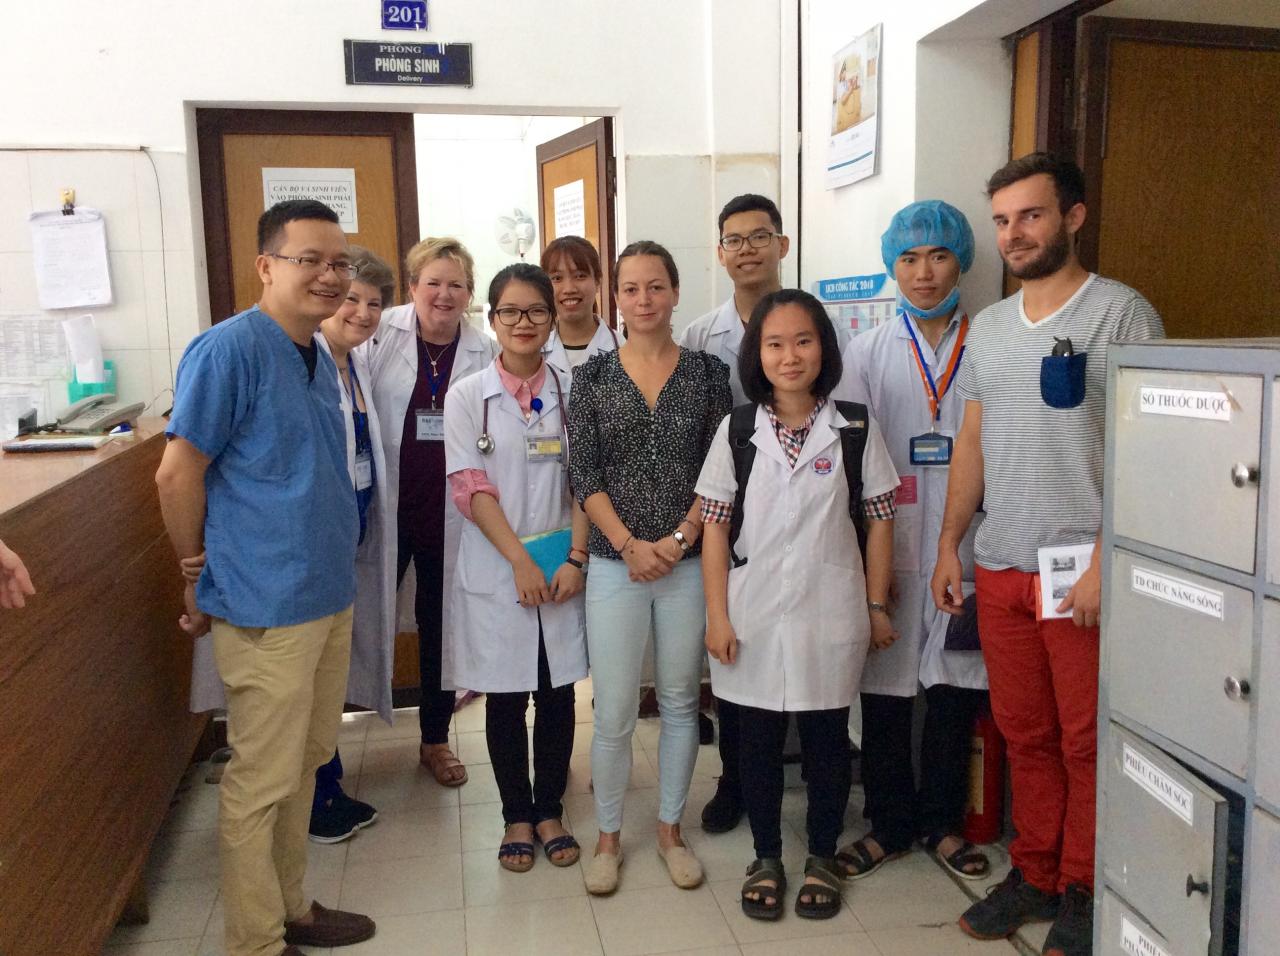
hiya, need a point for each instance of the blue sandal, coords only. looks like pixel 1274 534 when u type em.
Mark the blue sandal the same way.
pixel 509 857
pixel 558 845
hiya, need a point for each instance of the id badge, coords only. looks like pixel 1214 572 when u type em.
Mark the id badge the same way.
pixel 543 448
pixel 430 424
pixel 364 471
pixel 931 449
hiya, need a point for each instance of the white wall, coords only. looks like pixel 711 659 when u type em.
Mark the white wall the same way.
pixel 945 86
pixel 694 89
pixel 150 258
pixel 473 169
pixel 944 121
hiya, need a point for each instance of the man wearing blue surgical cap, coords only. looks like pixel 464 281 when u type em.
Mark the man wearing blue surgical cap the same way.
pixel 902 371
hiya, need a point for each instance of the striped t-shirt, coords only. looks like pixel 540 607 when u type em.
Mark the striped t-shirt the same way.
pixel 1042 466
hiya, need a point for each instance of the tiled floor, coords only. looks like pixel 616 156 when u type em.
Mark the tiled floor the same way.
pixel 427 870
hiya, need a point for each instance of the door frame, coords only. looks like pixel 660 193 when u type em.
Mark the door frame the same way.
pixel 1095 44
pixel 606 191
pixel 212 123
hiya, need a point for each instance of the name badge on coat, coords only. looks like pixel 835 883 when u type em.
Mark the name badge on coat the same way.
pixel 430 424
pixel 931 449
pixel 543 448
pixel 364 470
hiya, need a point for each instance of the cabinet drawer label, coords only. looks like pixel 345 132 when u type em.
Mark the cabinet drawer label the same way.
pixel 1185 403
pixel 1159 784
pixel 1207 601
pixel 1138 943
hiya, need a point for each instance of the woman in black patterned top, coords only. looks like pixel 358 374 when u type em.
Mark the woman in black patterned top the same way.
pixel 640 422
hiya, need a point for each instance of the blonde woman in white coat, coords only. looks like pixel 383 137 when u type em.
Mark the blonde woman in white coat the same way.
pixel 421 349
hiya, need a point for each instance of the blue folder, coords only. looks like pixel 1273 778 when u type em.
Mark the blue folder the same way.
pixel 549 549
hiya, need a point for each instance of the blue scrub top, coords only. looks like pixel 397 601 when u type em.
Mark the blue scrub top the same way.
pixel 281 523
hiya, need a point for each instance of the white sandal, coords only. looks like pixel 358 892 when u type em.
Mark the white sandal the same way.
pixel 685 870
pixel 602 873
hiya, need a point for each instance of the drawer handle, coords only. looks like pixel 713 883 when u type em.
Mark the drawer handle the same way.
pixel 1237 688
pixel 1242 474
pixel 1194 887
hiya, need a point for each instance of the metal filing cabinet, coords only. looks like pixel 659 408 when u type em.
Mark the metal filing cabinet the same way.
pixel 1189 708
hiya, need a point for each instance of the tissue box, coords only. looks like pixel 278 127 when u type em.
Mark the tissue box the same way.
pixel 77 390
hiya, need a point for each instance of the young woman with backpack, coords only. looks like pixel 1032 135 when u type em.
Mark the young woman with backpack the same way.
pixel 792 605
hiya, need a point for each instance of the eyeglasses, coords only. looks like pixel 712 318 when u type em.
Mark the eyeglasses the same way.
pixel 509 315
pixel 758 240
pixel 343 270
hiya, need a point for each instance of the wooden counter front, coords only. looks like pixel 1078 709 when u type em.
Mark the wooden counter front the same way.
pixel 94 681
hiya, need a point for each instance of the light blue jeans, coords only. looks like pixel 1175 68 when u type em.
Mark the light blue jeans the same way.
pixel 619 614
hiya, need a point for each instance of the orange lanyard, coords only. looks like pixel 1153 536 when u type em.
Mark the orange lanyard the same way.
pixel 935 392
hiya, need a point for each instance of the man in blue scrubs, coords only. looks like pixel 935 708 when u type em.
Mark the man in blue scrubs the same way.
pixel 255 476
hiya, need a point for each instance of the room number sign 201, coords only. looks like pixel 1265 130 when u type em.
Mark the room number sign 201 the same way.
pixel 404 14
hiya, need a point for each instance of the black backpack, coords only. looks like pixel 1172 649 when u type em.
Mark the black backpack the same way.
pixel 853 439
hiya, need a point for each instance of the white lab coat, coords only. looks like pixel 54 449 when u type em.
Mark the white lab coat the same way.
pixel 373 623
pixel 605 339
pixel 799 604
pixel 393 366
pixel 495 640
pixel 719 333
pixel 880 371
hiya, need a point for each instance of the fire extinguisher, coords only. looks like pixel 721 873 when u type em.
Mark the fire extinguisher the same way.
pixel 984 816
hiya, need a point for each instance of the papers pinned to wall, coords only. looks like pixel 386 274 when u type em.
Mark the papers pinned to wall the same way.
pixel 571 209
pixel 70 253
pixel 336 188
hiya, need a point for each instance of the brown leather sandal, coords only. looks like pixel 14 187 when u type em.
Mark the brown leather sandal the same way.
pixel 440 760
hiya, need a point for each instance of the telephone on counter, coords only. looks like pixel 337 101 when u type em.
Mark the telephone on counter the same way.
pixel 96 414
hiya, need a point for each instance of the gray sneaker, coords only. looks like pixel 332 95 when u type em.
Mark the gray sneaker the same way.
pixel 1009 904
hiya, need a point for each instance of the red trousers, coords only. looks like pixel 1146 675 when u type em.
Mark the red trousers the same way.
pixel 1044 696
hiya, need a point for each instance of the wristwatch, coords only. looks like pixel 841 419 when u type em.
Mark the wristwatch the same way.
pixel 877 606
pixel 685 543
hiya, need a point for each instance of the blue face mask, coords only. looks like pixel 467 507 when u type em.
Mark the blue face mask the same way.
pixel 942 308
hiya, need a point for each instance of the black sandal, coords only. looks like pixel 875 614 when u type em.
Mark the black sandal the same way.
pixel 959 862
pixel 855 860
pixel 759 873
pixel 509 856
pixel 824 895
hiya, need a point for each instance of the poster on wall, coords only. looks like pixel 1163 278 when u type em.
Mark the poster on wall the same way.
pixel 69 251
pixel 336 188
pixel 857 303
pixel 855 108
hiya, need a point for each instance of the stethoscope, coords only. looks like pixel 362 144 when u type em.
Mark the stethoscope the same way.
pixel 485 445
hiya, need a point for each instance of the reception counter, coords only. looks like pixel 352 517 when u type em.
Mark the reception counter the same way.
pixel 94 679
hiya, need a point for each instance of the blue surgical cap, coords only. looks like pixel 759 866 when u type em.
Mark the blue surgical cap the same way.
pixel 930 222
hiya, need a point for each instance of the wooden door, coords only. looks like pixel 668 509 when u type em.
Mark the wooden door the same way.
pixel 1182 148
pixel 581 164
pixel 237 145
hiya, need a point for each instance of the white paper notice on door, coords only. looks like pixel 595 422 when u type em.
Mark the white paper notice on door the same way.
pixel 1162 587
pixel 1138 943
pixel 1185 403
pixel 70 255
pixel 336 188
pixel 571 209
pixel 1160 785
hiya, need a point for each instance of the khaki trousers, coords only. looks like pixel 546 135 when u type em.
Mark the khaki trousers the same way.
pixel 285 687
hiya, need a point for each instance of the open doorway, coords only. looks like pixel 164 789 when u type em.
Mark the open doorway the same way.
pixel 505 185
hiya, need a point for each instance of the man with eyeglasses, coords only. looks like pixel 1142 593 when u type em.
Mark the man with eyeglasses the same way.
pixel 255 477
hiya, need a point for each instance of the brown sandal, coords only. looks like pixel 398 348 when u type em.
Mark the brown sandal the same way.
pixel 440 760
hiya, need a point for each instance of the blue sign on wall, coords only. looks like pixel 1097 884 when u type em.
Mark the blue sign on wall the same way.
pixel 398 64
pixel 404 14
pixel 850 288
